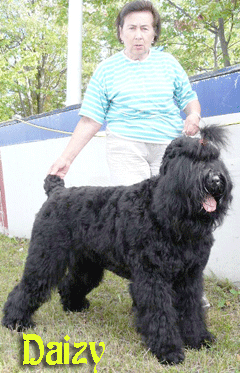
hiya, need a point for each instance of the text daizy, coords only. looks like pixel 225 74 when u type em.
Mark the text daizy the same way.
pixel 58 353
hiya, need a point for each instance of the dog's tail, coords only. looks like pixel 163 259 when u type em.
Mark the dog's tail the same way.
pixel 52 183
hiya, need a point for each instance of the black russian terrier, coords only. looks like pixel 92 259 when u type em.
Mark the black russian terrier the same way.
pixel 157 233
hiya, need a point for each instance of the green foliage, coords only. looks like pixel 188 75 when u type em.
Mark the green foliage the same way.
pixel 204 35
pixel 33 38
pixel 99 34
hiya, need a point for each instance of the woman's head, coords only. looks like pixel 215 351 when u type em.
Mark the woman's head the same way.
pixel 139 6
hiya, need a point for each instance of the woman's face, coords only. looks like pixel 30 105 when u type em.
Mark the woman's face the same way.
pixel 137 34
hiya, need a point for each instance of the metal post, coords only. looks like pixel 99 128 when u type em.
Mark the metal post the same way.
pixel 74 59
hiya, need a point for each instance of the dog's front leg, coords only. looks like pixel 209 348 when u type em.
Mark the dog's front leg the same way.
pixel 191 316
pixel 156 317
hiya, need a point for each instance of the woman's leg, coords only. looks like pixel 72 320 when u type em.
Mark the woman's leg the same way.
pixel 127 160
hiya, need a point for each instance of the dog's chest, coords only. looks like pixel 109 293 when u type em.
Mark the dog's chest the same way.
pixel 194 254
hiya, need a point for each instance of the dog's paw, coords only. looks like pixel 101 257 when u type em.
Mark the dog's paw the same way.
pixel 172 358
pixel 205 340
pixel 18 325
pixel 76 307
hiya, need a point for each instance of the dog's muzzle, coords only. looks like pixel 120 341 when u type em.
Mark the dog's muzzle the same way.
pixel 214 187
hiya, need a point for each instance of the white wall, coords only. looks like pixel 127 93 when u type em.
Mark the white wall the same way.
pixel 25 167
pixel 225 255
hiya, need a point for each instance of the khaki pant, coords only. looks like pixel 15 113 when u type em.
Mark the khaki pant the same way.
pixel 132 161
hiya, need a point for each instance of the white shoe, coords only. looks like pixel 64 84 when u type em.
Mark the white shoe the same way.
pixel 205 302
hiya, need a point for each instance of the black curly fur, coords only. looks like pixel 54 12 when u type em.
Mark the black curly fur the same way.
pixel 155 233
pixel 52 184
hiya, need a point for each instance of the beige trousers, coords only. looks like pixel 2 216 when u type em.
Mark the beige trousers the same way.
pixel 132 161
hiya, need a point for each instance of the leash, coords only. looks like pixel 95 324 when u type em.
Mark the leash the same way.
pixel 70 133
pixel 42 127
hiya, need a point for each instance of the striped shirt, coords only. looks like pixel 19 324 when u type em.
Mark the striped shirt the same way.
pixel 140 100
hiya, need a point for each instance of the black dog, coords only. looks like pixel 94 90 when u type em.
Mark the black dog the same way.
pixel 157 234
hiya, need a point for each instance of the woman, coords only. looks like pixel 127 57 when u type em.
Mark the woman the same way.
pixel 139 92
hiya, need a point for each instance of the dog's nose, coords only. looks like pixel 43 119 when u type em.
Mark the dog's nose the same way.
pixel 215 182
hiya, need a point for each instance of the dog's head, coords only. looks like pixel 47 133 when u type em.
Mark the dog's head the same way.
pixel 195 174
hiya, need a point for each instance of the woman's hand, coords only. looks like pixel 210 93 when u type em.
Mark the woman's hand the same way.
pixel 60 167
pixel 193 116
pixel 191 124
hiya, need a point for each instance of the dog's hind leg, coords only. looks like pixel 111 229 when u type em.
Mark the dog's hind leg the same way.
pixel 43 271
pixel 156 318
pixel 82 277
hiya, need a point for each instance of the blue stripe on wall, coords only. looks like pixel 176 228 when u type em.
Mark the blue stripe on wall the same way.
pixel 16 132
pixel 219 95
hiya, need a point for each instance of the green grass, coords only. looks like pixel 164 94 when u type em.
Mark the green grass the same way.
pixel 110 320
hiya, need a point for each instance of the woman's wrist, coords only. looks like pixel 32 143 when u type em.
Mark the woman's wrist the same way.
pixel 195 113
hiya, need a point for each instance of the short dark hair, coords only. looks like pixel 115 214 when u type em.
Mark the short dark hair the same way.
pixel 139 6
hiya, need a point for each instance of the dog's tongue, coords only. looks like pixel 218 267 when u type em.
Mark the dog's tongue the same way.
pixel 210 204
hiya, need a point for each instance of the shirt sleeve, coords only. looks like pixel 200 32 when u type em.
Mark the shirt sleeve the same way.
pixel 95 103
pixel 183 93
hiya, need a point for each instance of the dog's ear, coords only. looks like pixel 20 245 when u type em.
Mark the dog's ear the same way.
pixel 171 152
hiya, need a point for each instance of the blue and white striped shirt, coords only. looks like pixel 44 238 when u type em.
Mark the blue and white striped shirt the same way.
pixel 140 100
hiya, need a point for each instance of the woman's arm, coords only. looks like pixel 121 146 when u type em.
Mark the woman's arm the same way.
pixel 193 113
pixel 84 131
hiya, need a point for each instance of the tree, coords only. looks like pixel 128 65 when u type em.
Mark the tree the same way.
pixel 208 31
pixel 99 34
pixel 203 35
pixel 33 56
pixel 33 46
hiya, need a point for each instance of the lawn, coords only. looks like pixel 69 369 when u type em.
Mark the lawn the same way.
pixel 108 320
